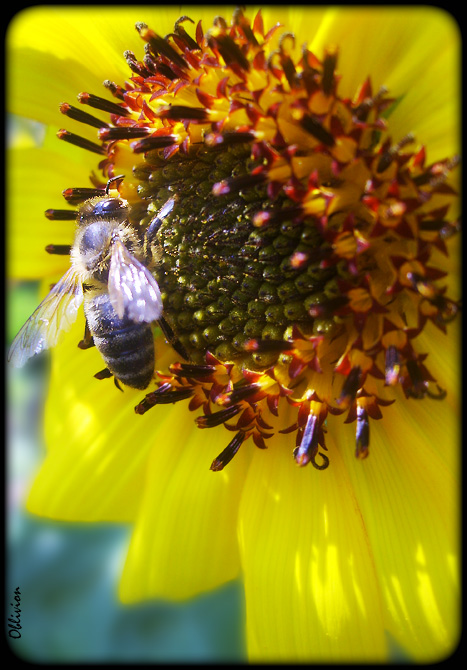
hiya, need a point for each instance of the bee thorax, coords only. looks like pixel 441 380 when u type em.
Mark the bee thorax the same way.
pixel 91 250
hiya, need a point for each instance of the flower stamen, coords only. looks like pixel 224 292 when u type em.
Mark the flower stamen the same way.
pixel 81 142
pixel 96 102
pixel 229 452
pixel 82 117
pixel 58 249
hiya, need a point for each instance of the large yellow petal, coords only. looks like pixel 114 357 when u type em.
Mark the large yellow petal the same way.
pixel 98 447
pixel 184 540
pixel 312 590
pixel 409 498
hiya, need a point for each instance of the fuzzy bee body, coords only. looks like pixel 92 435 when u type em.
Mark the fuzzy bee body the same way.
pixel 110 274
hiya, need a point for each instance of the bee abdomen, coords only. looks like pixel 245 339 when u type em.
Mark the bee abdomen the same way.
pixel 126 347
pixel 129 354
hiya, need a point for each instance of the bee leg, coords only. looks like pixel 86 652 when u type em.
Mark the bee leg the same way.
pixel 106 374
pixel 171 338
pixel 87 342
pixel 103 374
pixel 154 225
pixel 111 181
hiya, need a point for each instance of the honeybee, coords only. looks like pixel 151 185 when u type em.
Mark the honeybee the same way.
pixel 109 274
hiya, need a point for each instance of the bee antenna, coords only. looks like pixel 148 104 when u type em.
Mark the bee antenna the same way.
pixel 111 180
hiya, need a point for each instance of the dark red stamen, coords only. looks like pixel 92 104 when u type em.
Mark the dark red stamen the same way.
pixel 238 183
pixel 329 66
pixel 230 138
pixel 229 50
pixel 289 70
pixel 240 20
pixel 191 370
pixel 267 345
pixel 419 385
pixel 116 90
pixel 181 32
pixel 60 214
pixel 216 419
pixel 79 141
pixel 389 155
pixel 101 103
pixel 183 113
pixel 448 309
pixel 83 117
pixel 164 395
pixel 58 249
pixel 350 387
pixel 308 447
pixel 362 433
pixel 155 142
pixel 160 46
pixel 368 102
pixel 229 452
pixel 315 128
pixel 122 133
pixel 240 393
pixel 156 65
pixel 76 196
pixel 135 65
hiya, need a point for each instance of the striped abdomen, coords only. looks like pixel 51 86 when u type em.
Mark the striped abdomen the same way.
pixel 126 347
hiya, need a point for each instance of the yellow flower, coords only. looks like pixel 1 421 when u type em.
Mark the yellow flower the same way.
pixel 302 261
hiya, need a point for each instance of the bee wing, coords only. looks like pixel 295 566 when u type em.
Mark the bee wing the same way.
pixel 133 290
pixel 57 312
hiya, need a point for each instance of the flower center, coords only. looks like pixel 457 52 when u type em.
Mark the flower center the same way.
pixel 296 241
pixel 225 281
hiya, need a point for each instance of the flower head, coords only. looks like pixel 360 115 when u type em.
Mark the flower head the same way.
pixel 299 244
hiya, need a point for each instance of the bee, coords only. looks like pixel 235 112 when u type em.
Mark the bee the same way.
pixel 110 273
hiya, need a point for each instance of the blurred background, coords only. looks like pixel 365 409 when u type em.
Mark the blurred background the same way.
pixel 68 573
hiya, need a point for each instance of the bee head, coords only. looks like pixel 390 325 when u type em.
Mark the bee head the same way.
pixel 103 208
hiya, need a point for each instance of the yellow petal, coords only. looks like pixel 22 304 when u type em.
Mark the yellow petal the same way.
pixel 184 540
pixel 312 591
pixel 98 447
pixel 409 496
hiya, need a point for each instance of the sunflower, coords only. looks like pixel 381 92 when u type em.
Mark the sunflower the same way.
pixel 300 165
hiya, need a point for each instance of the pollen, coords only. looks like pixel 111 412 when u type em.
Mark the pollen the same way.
pixel 298 260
